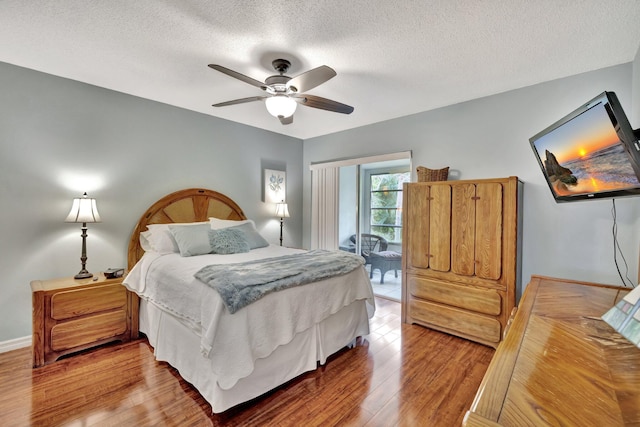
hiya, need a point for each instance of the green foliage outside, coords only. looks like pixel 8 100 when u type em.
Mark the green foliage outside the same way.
pixel 386 205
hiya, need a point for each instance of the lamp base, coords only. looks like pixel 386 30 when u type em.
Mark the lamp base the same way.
pixel 83 274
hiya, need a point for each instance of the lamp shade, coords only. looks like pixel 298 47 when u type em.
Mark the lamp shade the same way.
pixel 83 210
pixel 281 106
pixel 282 210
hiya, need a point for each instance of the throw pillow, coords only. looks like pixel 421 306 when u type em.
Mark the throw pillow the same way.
pixel 228 241
pixel 254 238
pixel 192 239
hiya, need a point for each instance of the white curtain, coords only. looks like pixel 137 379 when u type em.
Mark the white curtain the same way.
pixel 325 189
pixel 325 185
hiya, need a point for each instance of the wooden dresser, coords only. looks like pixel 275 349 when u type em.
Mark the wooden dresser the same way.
pixel 560 364
pixel 70 315
pixel 461 256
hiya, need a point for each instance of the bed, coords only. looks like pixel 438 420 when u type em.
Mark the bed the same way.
pixel 233 358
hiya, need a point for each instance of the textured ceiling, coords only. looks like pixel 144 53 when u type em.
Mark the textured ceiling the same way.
pixel 392 58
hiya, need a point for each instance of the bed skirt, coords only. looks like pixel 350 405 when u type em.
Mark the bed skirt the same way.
pixel 170 337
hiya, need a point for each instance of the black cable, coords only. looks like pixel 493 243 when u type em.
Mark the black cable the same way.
pixel 616 249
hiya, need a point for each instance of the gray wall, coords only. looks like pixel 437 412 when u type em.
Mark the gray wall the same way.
pixel 59 138
pixel 489 137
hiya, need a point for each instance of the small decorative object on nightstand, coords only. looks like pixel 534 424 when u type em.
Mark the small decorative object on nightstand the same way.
pixel 70 315
pixel 83 210
pixel 112 273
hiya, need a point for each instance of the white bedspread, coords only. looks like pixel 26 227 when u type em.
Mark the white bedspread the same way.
pixel 235 341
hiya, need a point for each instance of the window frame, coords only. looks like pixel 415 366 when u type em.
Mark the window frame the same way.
pixel 367 196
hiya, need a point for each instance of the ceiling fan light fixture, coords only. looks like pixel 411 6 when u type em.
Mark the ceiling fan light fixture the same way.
pixel 282 93
pixel 281 106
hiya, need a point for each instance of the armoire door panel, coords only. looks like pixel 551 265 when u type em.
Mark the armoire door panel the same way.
pixel 418 216
pixel 463 229
pixel 489 230
pixel 440 228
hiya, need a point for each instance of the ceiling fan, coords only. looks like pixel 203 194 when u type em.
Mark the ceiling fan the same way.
pixel 284 93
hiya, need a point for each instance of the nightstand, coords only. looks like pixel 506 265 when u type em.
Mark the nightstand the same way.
pixel 70 315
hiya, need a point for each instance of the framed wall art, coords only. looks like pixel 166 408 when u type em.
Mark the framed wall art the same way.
pixel 275 183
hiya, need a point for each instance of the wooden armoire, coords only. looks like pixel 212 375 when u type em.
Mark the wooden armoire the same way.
pixel 461 258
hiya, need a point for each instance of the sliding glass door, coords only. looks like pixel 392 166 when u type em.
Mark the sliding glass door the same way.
pixel 356 206
pixel 370 220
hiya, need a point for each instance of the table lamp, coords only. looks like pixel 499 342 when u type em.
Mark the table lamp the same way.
pixel 282 212
pixel 83 210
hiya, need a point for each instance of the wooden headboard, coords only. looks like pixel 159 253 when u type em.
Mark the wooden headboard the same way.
pixel 191 205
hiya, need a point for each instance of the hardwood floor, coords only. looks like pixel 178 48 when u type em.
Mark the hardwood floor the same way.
pixel 400 374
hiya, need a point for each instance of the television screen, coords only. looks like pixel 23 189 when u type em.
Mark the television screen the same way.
pixel 590 153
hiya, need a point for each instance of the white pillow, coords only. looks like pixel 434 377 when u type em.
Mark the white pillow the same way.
pixel 159 238
pixel 219 224
pixel 144 241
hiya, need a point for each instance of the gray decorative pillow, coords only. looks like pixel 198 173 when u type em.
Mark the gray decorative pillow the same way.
pixel 192 239
pixel 228 241
pixel 253 237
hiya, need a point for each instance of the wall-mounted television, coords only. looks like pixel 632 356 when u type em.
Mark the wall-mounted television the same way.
pixel 591 153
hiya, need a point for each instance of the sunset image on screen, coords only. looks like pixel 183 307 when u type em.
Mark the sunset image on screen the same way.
pixel 585 155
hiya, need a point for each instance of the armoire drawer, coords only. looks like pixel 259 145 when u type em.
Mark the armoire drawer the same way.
pixel 486 301
pixel 485 328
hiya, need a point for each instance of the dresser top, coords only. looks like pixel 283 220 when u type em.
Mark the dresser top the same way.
pixel 560 363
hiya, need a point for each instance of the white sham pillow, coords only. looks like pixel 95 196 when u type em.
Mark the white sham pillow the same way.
pixel 219 224
pixel 144 241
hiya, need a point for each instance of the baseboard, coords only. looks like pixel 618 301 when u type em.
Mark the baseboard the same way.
pixel 15 344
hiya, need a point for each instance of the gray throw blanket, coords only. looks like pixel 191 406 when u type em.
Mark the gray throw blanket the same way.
pixel 241 284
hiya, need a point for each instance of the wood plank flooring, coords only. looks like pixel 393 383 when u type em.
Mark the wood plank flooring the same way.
pixel 399 375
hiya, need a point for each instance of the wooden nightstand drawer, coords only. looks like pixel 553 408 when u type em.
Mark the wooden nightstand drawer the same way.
pixel 87 330
pixel 71 315
pixel 74 303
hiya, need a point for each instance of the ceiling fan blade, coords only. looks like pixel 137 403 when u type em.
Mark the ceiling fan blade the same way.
pixel 323 104
pixel 310 79
pixel 237 75
pixel 286 120
pixel 240 101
